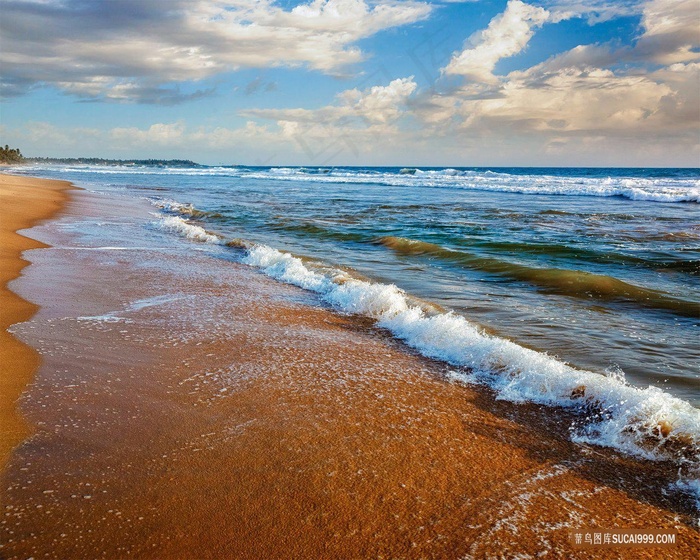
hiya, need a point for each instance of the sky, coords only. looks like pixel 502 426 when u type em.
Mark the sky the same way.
pixel 354 82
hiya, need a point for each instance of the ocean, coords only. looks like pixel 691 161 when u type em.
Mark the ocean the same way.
pixel 567 287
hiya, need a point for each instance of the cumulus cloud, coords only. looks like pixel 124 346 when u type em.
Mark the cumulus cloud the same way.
pixel 360 122
pixel 161 139
pixel 582 89
pixel 593 99
pixel 593 104
pixel 138 49
pixel 587 93
pixel 571 100
pixel 506 35
pixel 671 31
pixel 669 28
pixel 378 105
pixel 160 133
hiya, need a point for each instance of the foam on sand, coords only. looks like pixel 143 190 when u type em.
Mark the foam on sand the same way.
pixel 645 422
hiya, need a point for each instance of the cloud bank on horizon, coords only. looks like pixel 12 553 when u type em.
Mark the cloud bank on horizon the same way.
pixel 475 82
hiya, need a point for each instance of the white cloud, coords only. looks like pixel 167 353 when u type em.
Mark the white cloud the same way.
pixel 671 31
pixel 157 134
pixel 506 35
pixel 670 28
pixel 130 49
pixel 44 134
pixel 162 139
pixel 595 11
pixel 378 105
pixel 361 123
pixel 38 132
pixel 582 95
pixel 591 100
pixel 595 104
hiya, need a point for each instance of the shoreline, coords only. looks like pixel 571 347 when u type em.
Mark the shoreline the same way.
pixel 24 203
pixel 189 406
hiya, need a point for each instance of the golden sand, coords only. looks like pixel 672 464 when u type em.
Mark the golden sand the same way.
pixel 236 421
pixel 24 202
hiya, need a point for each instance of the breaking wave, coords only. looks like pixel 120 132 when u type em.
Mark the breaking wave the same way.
pixel 645 422
pixel 619 183
pixel 665 190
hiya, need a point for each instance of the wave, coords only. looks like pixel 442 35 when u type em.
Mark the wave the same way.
pixel 318 231
pixel 555 280
pixel 684 187
pixel 193 232
pixel 561 281
pixel 175 224
pixel 173 207
pixel 688 266
pixel 665 190
pixel 647 423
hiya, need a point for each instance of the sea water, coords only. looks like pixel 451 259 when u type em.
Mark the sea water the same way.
pixel 566 287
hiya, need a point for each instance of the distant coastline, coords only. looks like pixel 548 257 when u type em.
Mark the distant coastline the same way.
pixel 104 161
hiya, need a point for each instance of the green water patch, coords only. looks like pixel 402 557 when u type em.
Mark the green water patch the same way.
pixel 574 283
pixel 319 232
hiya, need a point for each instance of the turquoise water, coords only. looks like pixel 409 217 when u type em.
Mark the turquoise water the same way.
pixel 571 288
pixel 597 267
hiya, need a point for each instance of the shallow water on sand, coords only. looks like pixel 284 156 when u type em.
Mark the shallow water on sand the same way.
pixel 189 406
pixel 569 288
pixel 596 267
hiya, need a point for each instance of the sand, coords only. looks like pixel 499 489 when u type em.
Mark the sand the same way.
pixel 24 202
pixel 207 411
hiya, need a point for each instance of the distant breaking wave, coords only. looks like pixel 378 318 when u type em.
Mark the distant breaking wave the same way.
pixel 648 423
pixel 659 189
pixel 641 189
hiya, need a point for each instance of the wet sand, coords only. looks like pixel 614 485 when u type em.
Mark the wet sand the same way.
pixel 202 410
pixel 24 202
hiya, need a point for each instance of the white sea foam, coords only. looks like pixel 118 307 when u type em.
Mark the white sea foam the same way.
pixel 286 268
pixel 635 420
pixel 152 301
pixel 665 190
pixel 194 232
pixel 106 318
pixel 174 207
pixel 644 422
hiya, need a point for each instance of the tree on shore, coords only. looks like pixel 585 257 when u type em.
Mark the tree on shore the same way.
pixel 10 155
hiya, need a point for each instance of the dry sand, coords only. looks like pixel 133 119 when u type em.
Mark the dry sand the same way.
pixel 235 418
pixel 24 202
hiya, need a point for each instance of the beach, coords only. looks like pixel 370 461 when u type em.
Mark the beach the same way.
pixel 179 403
pixel 23 203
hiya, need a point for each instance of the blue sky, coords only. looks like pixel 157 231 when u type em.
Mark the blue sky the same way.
pixel 354 82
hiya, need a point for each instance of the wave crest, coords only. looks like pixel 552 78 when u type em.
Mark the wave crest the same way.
pixel 645 422
pixel 648 422
pixel 575 283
